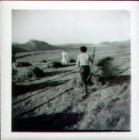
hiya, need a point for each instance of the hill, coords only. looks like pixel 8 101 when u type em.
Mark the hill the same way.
pixel 125 43
pixel 31 46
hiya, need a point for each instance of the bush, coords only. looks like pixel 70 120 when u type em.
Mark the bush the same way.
pixel 43 61
pixel 55 65
pixel 108 69
pixel 22 74
pixel 104 61
pixel 72 61
pixel 38 72
pixel 23 64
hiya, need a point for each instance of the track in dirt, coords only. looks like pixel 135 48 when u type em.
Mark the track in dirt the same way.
pixel 35 93
pixel 41 105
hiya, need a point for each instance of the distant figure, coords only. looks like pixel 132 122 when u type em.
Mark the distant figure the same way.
pixel 64 58
pixel 82 63
pixel 14 70
pixel 14 66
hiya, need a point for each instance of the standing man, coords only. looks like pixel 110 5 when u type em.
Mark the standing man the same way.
pixel 64 60
pixel 82 63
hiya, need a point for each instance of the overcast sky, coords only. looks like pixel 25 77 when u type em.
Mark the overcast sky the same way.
pixel 64 26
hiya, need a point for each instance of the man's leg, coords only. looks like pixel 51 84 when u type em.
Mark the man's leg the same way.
pixel 83 81
pixel 85 91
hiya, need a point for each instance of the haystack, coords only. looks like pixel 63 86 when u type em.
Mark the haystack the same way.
pixel 54 65
pixel 38 72
pixel 23 64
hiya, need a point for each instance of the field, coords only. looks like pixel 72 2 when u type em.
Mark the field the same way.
pixel 53 101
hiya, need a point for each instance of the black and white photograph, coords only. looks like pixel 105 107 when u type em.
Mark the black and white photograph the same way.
pixel 71 71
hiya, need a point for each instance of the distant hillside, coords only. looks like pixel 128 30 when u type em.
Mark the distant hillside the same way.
pixel 91 45
pixel 114 44
pixel 35 45
pixel 31 46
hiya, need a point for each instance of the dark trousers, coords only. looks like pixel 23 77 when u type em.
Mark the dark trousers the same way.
pixel 85 72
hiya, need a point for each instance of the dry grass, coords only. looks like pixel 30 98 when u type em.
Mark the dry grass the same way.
pixel 54 101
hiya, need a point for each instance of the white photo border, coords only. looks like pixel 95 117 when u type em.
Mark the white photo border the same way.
pixel 6 8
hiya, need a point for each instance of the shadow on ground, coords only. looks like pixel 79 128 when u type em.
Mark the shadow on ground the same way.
pixel 52 73
pixel 114 80
pixel 21 89
pixel 54 122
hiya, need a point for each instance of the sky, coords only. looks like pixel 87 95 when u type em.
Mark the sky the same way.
pixel 70 26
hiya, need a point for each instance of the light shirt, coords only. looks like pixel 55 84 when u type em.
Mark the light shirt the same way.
pixel 64 58
pixel 64 54
pixel 83 59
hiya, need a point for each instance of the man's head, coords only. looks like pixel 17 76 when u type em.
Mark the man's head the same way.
pixel 83 49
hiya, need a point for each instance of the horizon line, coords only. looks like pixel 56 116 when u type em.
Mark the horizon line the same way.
pixel 70 43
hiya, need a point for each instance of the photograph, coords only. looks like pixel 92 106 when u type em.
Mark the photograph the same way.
pixel 71 70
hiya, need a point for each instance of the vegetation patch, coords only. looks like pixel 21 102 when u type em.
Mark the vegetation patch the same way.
pixel 43 61
pixel 109 70
pixel 38 72
pixel 72 61
pixel 55 65
pixel 23 64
